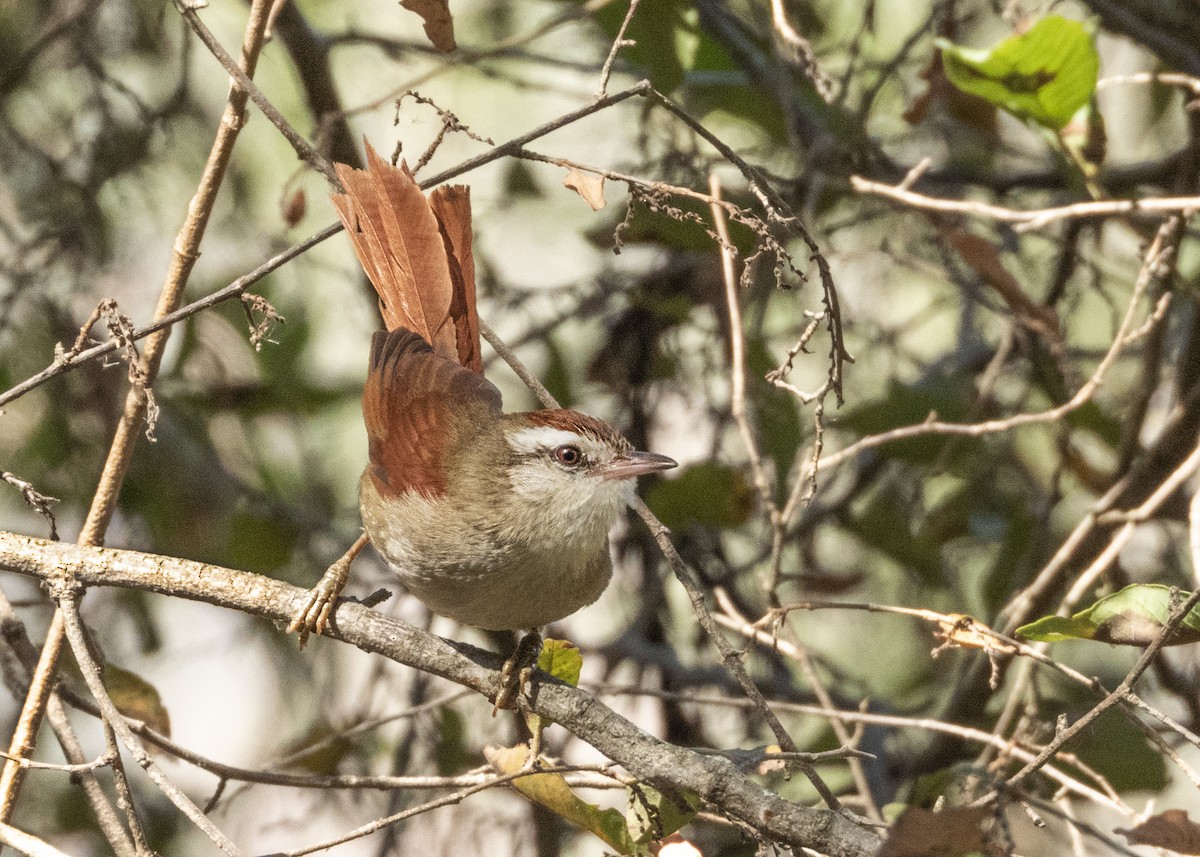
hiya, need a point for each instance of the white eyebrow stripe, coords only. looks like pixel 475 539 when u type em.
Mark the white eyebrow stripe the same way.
pixel 536 438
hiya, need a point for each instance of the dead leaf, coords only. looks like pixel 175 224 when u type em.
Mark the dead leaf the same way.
pixel 964 632
pixel 984 259
pixel 294 208
pixel 949 833
pixel 439 26
pixel 1171 829
pixel 588 185
pixel 946 98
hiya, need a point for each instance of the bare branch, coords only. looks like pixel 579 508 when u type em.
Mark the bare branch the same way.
pixel 644 756
pixel 1030 220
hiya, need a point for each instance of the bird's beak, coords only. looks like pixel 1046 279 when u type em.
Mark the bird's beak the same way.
pixel 630 465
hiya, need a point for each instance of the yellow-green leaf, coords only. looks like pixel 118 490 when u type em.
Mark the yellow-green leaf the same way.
pixel 561 660
pixel 552 792
pixel 654 815
pixel 137 698
pixel 1043 75
pixel 1135 616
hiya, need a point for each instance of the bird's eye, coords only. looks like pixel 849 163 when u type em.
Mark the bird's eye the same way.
pixel 569 455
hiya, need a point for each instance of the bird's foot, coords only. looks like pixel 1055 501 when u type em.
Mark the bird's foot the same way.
pixel 517 670
pixel 313 615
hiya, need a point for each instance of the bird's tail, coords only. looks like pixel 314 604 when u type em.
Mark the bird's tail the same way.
pixel 416 251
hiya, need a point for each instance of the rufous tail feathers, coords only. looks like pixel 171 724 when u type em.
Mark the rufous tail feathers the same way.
pixel 416 252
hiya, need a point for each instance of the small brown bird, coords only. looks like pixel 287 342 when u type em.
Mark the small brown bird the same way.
pixel 499 521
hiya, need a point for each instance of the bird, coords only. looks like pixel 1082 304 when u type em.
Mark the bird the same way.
pixel 496 520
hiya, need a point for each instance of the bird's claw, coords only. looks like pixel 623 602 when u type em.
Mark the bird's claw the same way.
pixel 313 615
pixel 517 671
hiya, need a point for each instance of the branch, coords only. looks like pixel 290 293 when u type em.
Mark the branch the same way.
pixel 715 780
pixel 1033 219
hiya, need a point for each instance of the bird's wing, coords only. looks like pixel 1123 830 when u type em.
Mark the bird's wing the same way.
pixel 414 403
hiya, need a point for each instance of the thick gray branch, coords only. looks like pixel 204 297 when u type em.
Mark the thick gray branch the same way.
pixel 716 781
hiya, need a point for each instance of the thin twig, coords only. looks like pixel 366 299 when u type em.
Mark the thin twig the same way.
pixel 124 793
pixel 101 761
pixel 104 501
pixel 305 150
pixel 802 50
pixel 67 596
pixel 40 502
pixel 1032 219
pixel 510 357
pixel 1087 579
pixel 1177 615
pixel 27 843
pixel 1154 259
pixel 619 42
pixel 737 364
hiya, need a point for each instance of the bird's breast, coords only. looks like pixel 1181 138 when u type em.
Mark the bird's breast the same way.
pixel 482 567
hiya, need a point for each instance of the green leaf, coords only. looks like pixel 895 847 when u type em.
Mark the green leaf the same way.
pixel 666 38
pixel 557 376
pixel 451 752
pixel 652 814
pixel 562 660
pixel 703 495
pixel 1132 617
pixel 1118 751
pixel 1043 75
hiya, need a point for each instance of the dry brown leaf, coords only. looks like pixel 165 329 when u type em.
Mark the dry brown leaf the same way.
pixel 439 26
pixel 984 259
pixel 946 98
pixel 1170 829
pixel 294 208
pixel 950 833
pixel 588 185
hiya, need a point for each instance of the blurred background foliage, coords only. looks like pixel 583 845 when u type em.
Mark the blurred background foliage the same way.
pixel 107 110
